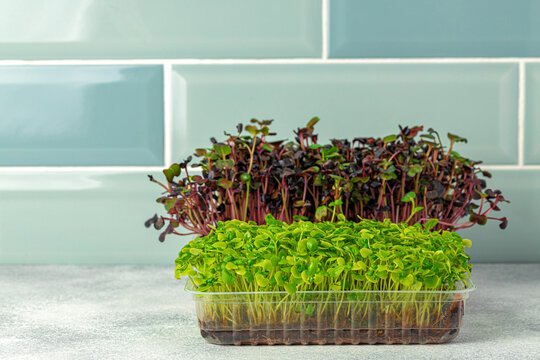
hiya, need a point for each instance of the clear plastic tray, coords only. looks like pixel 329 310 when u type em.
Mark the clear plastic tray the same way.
pixel 330 317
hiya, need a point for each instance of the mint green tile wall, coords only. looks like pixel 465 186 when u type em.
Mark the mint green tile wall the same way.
pixel 81 115
pixel 532 114
pixel 128 87
pixel 80 218
pixel 103 29
pixel 479 100
pixel 431 28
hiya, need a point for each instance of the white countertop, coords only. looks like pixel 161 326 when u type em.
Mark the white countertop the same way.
pixel 142 312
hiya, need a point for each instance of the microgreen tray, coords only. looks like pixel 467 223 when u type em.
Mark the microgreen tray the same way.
pixel 330 317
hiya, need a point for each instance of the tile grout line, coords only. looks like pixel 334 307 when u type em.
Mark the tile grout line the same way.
pixel 139 169
pixel 320 60
pixel 167 113
pixel 521 114
pixel 510 167
pixel 78 169
pixel 325 29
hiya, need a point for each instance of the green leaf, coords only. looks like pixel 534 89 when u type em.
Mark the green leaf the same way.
pixel 267 147
pixel 312 122
pixel 398 263
pixel 337 202
pixel 310 309
pixel 169 174
pixel 189 272
pixel 302 246
pixel 245 177
pixel 224 183
pixel 321 212
pixel 266 265
pixel 365 252
pixel 200 152
pixel 252 130
pixel 313 169
pixel 305 277
pixel 269 219
pixel 222 150
pixel 389 138
pixel 169 204
pixel 408 196
pixel 319 180
pixel 458 157
pixel 359 265
pixel 312 244
pixel 417 286
pixel 382 274
pixel 278 276
pixel 175 168
pixel 220 245
pixel 290 287
pixel 329 151
pixel 467 243
pixel 431 223
pixel 261 280
pixel 456 138
pixel 335 272
pixel 432 282
pixel 225 164
pixel 389 176
pixel 372 278
pixel 335 287
pixel 312 267
pixel 408 280
pixel 295 272
pixel 415 169
pixel 226 277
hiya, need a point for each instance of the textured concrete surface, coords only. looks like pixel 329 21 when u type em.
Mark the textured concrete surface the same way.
pixel 123 312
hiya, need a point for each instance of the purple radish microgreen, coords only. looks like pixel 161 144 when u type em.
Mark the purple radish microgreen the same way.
pixel 247 175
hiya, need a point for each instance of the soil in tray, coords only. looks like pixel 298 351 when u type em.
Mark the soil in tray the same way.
pixel 311 334
pixel 329 336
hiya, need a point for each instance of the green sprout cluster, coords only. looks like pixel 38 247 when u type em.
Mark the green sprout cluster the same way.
pixel 342 256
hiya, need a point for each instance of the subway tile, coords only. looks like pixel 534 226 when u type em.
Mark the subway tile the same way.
pixel 81 115
pixel 81 218
pixel 426 28
pixel 531 154
pixel 89 29
pixel 478 101
pixel 519 242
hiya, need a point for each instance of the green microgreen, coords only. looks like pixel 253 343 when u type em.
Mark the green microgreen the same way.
pixel 367 255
